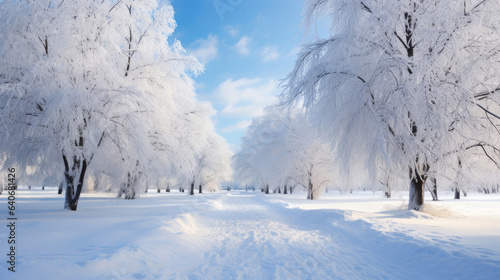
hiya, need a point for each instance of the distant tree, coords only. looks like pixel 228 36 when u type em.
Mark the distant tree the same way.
pixel 400 84
pixel 281 147
pixel 213 165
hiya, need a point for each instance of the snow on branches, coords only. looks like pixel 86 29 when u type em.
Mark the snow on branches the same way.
pixel 95 87
pixel 282 151
pixel 403 85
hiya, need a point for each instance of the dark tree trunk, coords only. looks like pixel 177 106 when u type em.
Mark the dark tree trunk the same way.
pixel 387 192
pixel 291 190
pixel 433 189
pixel 60 190
pixel 388 187
pixel 279 190
pixel 267 189
pixel 310 194
pixel 285 190
pixel 74 175
pixel 200 189
pixel 417 188
pixel 457 188
pixel 158 190
pixel 129 189
pixel 191 189
pixel 168 188
pixel 417 183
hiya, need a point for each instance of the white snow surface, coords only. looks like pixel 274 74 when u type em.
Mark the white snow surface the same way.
pixel 248 235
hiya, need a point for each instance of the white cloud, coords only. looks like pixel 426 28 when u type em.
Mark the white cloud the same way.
pixel 242 45
pixel 231 30
pixel 269 53
pixel 242 125
pixel 206 49
pixel 246 98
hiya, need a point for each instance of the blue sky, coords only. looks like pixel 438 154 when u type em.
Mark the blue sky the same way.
pixel 247 47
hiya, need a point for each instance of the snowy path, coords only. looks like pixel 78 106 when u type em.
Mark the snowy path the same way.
pixel 257 239
pixel 235 235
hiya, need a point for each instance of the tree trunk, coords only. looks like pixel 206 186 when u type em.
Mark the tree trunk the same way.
pixel 457 193
pixel 191 190
pixel 459 177
pixel 267 189
pixel 285 190
pixel 291 189
pixel 310 194
pixel 388 186
pixel 200 189
pixel 417 188
pixel 158 190
pixel 74 173
pixel 60 190
pixel 129 187
pixel 388 191
pixel 168 188
pixel 433 189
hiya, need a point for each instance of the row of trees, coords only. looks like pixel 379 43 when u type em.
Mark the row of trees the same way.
pixel 94 88
pixel 281 151
pixel 404 88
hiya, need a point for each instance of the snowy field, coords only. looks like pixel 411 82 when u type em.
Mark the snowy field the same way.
pixel 247 235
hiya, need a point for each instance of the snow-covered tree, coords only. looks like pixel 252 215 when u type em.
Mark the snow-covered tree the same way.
pixel 97 84
pixel 281 149
pixel 401 84
pixel 213 165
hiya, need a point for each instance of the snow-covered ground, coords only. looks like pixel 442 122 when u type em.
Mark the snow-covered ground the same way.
pixel 247 235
